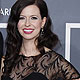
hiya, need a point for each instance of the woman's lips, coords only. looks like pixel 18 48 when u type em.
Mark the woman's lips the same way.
pixel 28 30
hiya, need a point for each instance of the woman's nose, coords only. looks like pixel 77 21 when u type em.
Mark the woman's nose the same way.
pixel 27 23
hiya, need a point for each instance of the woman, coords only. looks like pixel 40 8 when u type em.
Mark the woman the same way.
pixel 29 45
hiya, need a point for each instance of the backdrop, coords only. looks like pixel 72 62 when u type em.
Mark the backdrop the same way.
pixel 61 12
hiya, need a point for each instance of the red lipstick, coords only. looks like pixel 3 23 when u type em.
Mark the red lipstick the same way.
pixel 28 30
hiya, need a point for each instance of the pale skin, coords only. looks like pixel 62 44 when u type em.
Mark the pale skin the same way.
pixel 30 18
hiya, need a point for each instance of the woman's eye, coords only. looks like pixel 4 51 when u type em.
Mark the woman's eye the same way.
pixel 21 18
pixel 34 18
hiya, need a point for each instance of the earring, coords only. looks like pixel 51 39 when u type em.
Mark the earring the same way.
pixel 42 32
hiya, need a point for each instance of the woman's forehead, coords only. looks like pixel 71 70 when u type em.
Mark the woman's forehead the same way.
pixel 31 10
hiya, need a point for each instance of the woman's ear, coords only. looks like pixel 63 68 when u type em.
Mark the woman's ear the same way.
pixel 43 22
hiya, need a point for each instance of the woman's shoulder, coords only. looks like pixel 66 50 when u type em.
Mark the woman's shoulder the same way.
pixel 52 55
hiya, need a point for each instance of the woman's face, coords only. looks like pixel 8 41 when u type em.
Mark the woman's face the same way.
pixel 30 22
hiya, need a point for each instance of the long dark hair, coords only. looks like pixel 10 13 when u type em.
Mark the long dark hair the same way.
pixel 14 39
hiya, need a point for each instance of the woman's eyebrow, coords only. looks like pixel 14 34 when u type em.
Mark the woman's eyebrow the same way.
pixel 34 15
pixel 30 15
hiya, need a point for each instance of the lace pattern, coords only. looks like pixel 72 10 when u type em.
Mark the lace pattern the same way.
pixel 51 64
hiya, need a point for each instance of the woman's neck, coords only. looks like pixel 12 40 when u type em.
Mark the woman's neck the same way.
pixel 28 48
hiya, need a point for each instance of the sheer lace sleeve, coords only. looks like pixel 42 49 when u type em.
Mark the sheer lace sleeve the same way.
pixel 68 70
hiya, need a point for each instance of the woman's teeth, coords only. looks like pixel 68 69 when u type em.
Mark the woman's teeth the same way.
pixel 28 30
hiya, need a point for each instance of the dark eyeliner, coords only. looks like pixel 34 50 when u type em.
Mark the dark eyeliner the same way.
pixel 34 18
pixel 21 17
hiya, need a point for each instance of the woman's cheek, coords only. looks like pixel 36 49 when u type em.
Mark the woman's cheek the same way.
pixel 19 24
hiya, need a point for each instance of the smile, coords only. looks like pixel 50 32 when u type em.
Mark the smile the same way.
pixel 28 31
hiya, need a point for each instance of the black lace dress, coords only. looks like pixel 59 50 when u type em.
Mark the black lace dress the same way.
pixel 51 66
